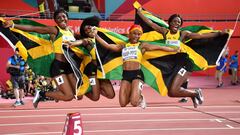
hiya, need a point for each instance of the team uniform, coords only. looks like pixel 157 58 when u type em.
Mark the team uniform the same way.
pixel 132 52
pixel 184 64
pixel 59 67
pixel 182 60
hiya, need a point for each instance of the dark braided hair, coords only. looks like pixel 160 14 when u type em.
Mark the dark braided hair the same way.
pixel 174 16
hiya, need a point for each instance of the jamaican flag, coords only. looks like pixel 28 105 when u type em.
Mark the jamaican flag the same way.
pixel 204 53
pixel 36 49
pixel 109 63
pixel 112 63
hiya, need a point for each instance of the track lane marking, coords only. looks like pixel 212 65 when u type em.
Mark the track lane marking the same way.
pixel 112 121
pixel 129 130
pixel 229 126
pixel 114 114
pixel 218 120
pixel 109 108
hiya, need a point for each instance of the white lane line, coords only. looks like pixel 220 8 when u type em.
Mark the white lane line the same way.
pixel 32 116
pixel 25 124
pixel 218 120
pixel 128 130
pixel 37 133
pixel 114 114
pixel 229 126
pixel 161 129
pixel 111 121
pixel 110 108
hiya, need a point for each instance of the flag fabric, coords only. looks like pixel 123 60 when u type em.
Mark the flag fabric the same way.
pixel 38 51
pixel 150 16
pixel 112 63
pixel 35 48
pixel 78 57
pixel 204 53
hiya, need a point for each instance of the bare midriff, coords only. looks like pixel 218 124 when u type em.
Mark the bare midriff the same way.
pixel 131 65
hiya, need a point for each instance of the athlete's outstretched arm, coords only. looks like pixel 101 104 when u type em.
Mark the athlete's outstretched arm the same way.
pixel 190 35
pixel 113 47
pixel 83 42
pixel 157 28
pixel 30 28
pixel 150 47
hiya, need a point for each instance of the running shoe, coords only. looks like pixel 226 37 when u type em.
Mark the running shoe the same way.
pixel 36 99
pixel 143 103
pixel 17 103
pixel 195 102
pixel 22 103
pixel 199 96
pixel 220 85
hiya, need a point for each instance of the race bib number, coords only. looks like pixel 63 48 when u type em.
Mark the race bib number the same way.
pixel 59 80
pixel 175 43
pixel 182 71
pixel 129 53
pixel 68 38
pixel 92 81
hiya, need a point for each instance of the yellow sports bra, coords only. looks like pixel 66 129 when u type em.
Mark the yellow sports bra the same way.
pixel 131 52
pixel 173 39
pixel 67 35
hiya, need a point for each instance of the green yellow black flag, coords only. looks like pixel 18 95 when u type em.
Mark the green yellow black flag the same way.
pixel 35 48
pixel 38 51
pixel 204 53
pixel 112 63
